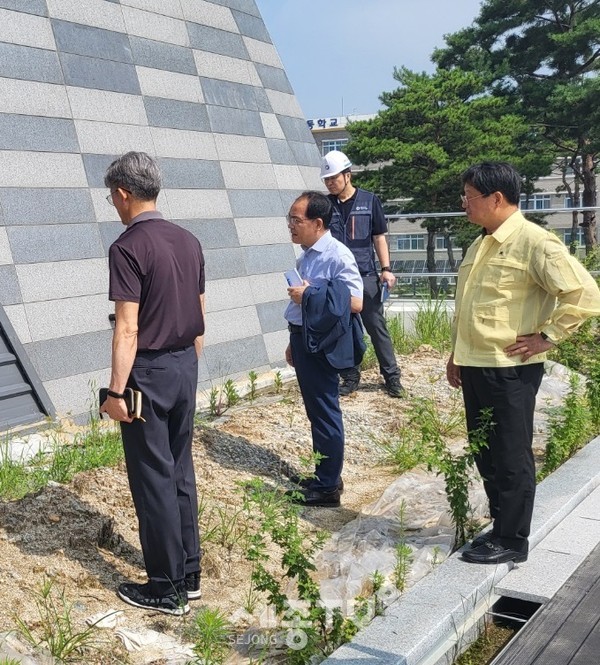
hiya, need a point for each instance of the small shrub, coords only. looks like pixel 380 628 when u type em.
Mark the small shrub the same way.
pixel 252 376
pixel 211 636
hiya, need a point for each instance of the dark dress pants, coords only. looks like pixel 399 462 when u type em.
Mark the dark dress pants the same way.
pixel 374 322
pixel 158 456
pixel 319 385
pixel 506 465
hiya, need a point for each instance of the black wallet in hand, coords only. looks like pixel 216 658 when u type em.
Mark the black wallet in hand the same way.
pixel 133 401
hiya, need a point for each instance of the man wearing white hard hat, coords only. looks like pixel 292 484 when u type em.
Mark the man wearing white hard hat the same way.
pixel 359 222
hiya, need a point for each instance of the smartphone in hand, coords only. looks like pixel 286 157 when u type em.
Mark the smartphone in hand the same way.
pixel 385 291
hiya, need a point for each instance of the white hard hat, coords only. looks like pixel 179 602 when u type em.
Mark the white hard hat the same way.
pixel 333 163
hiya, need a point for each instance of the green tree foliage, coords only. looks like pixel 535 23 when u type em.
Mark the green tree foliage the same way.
pixel 544 55
pixel 432 128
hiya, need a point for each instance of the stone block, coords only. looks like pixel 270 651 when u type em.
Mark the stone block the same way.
pixel 170 85
pixel 224 68
pixel 57 242
pixel 312 178
pixel 589 508
pixel 106 106
pixel 5 253
pixel 226 93
pixel 270 315
pixel 17 27
pixel 96 13
pixel 91 41
pixel 224 294
pixel 18 320
pixel 234 121
pixel 95 168
pixel 22 206
pixel 289 177
pixel 192 204
pixel 262 100
pixel 212 233
pixel 67 356
pixel 207 38
pixel 191 174
pixel 231 324
pixel 159 55
pixel 24 132
pixel 72 395
pixel 31 64
pixel 176 114
pixel 209 13
pixel 10 294
pixel 62 279
pixel 248 6
pixel 183 144
pixel 232 148
pixel 252 203
pixel 574 535
pixel 172 9
pixel 111 138
pixel 150 25
pixel 276 344
pixel 241 175
pixel 33 98
pixel 96 73
pixel 37 7
pixel 241 355
pixel 274 79
pixel 295 129
pixel 40 169
pixel 251 26
pixel 306 154
pixel 262 52
pixel 271 126
pixel 225 263
pixel 109 232
pixel 262 231
pixel 269 286
pixel 69 316
pixel 269 258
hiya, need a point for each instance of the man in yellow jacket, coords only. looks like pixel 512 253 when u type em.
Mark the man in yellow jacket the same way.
pixel 519 293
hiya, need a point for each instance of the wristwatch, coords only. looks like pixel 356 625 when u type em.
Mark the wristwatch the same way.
pixel 386 269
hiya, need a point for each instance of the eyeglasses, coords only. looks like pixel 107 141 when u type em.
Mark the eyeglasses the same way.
pixel 465 199
pixel 294 221
pixel 109 198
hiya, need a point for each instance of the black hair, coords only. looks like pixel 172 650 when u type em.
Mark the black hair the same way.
pixel 317 206
pixel 490 177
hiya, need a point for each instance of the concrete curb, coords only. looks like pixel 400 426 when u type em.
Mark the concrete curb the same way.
pixel 426 624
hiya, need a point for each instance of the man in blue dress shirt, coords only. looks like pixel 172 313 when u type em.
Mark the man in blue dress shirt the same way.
pixel 324 262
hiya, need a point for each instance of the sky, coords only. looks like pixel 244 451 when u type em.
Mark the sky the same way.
pixel 340 55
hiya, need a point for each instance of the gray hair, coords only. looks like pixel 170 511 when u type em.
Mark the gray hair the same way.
pixel 136 172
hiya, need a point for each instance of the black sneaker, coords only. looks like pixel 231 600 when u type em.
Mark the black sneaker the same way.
pixel 349 385
pixel 140 595
pixel 307 482
pixel 310 497
pixel 192 586
pixel 394 388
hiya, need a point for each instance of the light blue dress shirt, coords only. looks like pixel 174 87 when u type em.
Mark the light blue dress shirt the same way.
pixel 326 260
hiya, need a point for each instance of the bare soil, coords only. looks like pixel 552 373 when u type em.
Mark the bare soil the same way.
pixel 84 535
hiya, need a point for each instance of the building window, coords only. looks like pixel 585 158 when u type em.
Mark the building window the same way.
pixel 566 234
pixel 441 242
pixel 407 243
pixel 535 202
pixel 333 144
pixel 568 203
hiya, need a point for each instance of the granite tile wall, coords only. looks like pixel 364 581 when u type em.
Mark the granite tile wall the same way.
pixel 199 85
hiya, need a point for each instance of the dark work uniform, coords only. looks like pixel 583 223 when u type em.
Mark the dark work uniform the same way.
pixel 161 266
pixel 354 223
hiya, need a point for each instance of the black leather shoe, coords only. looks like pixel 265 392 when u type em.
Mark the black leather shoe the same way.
pixel 491 552
pixel 481 539
pixel 395 388
pixel 349 385
pixel 307 482
pixel 310 497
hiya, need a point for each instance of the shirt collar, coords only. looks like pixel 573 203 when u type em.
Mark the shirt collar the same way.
pixel 145 216
pixel 508 226
pixel 321 243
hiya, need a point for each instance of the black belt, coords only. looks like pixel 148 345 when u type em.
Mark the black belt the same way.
pixel 293 328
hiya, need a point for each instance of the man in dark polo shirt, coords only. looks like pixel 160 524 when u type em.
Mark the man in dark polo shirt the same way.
pixel 157 284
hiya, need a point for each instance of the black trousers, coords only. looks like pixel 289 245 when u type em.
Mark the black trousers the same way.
pixel 507 465
pixel 374 321
pixel 158 456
